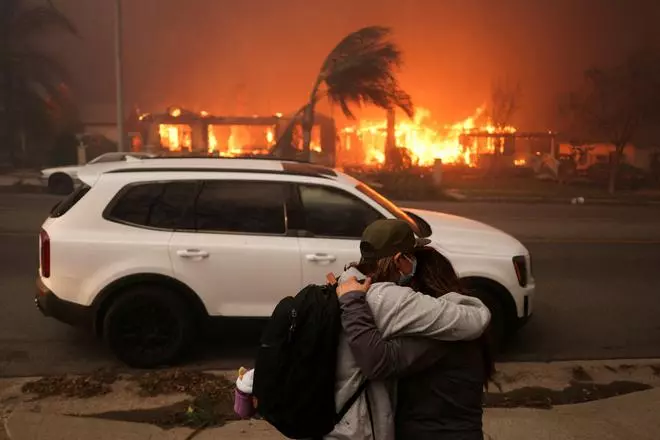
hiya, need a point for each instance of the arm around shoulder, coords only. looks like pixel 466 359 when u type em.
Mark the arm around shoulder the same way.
pixel 452 317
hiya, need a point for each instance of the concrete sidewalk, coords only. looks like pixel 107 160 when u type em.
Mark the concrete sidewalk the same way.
pixel 633 416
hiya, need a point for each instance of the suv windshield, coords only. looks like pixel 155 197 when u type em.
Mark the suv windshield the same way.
pixel 389 206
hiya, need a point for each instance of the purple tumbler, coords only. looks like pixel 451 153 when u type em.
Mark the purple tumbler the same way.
pixel 243 404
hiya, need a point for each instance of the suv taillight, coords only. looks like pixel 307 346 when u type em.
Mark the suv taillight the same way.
pixel 44 245
pixel 520 264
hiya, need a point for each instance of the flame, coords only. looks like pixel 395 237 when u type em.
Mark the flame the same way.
pixel 424 140
pixel 224 140
pixel 213 141
pixel 175 136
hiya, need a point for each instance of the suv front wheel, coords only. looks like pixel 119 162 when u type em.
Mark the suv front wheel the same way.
pixel 148 326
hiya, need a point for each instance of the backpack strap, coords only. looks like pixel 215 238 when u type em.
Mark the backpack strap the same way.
pixel 349 403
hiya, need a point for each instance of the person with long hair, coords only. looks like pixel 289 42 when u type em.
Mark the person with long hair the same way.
pixel 387 252
pixel 439 393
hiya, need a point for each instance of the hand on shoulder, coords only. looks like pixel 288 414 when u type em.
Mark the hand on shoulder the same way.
pixel 353 285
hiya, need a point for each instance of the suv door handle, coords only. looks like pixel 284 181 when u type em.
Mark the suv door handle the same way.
pixel 192 253
pixel 321 257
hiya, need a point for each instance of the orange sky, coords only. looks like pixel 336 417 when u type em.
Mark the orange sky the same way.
pixel 200 54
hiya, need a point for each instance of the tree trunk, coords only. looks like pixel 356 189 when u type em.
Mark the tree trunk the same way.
pixel 614 168
pixel 308 120
pixel 307 126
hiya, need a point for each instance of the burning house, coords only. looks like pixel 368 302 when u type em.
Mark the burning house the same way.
pixel 181 132
pixel 472 142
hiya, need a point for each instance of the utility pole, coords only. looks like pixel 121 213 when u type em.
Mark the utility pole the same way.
pixel 121 138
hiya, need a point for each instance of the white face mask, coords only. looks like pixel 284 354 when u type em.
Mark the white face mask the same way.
pixel 404 279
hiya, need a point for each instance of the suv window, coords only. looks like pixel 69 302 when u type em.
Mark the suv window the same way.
pixel 154 204
pixel 242 207
pixel 331 212
pixel 65 205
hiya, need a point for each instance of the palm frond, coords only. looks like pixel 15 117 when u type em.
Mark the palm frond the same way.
pixel 34 21
pixel 362 70
pixel 39 66
pixel 353 45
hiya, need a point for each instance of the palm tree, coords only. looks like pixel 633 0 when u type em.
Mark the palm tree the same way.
pixel 32 91
pixel 360 70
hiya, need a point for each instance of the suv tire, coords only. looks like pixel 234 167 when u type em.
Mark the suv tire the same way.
pixel 148 326
pixel 60 184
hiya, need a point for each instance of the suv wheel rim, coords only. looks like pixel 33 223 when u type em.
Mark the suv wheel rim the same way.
pixel 146 329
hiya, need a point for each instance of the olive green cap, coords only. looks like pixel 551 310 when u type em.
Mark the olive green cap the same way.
pixel 385 238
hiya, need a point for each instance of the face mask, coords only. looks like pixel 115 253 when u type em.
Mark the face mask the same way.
pixel 406 278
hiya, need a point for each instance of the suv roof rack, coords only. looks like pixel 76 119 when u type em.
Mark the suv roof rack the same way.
pixel 290 168
pixel 273 158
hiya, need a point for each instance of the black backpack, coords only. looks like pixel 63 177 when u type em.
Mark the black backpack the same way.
pixel 295 371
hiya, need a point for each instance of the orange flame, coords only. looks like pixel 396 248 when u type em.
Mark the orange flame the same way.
pixel 213 141
pixel 424 140
pixel 175 136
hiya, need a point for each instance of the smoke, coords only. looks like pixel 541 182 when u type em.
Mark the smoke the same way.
pixel 261 56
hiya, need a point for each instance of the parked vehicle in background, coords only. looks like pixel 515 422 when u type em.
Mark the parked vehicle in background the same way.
pixel 629 177
pixel 62 180
pixel 146 251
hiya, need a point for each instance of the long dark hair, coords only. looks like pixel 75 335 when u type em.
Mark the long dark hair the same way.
pixel 435 276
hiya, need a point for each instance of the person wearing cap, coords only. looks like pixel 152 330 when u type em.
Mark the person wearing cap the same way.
pixel 387 254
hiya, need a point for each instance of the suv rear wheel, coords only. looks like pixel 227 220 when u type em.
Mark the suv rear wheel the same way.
pixel 148 326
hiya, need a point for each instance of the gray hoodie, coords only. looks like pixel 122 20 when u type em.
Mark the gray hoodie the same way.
pixel 398 311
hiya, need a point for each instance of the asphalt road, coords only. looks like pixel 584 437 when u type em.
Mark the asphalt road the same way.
pixel 597 270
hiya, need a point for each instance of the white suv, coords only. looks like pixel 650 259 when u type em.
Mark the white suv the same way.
pixel 144 252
